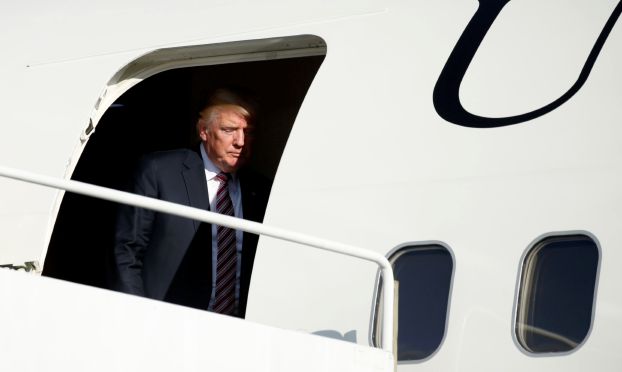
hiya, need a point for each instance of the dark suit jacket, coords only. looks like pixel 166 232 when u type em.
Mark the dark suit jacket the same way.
pixel 166 257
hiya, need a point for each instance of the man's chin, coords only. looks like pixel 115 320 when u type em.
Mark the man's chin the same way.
pixel 233 166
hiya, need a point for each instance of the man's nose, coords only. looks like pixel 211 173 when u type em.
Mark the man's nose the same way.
pixel 238 139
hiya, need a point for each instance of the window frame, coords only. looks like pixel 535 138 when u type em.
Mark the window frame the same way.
pixel 392 256
pixel 532 249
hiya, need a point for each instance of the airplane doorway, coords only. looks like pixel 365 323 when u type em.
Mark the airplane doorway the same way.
pixel 159 113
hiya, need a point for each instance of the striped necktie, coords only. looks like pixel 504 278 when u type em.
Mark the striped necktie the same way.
pixel 226 262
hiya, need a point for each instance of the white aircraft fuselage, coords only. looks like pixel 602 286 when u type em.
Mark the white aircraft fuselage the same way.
pixel 486 129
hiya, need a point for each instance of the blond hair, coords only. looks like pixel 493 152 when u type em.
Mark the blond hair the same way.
pixel 224 100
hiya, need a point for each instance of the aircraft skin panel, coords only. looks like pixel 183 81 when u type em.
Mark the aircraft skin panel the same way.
pixel 107 331
pixel 390 171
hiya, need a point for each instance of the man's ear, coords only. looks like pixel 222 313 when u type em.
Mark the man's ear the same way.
pixel 202 129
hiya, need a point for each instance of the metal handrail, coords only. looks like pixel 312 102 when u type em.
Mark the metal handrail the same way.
pixel 231 222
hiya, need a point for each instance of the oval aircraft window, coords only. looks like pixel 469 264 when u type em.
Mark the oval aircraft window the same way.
pixel 556 298
pixel 424 274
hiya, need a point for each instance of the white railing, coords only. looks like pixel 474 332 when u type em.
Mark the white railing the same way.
pixel 232 222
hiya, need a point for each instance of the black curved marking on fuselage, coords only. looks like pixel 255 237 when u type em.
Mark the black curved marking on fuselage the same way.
pixel 446 92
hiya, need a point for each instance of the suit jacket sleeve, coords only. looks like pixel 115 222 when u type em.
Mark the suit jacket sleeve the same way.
pixel 133 232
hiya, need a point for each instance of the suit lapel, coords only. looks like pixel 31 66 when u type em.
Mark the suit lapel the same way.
pixel 196 184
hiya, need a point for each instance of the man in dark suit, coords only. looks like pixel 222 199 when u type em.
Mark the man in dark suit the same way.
pixel 178 260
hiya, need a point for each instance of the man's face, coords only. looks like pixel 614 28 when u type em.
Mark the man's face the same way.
pixel 226 139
